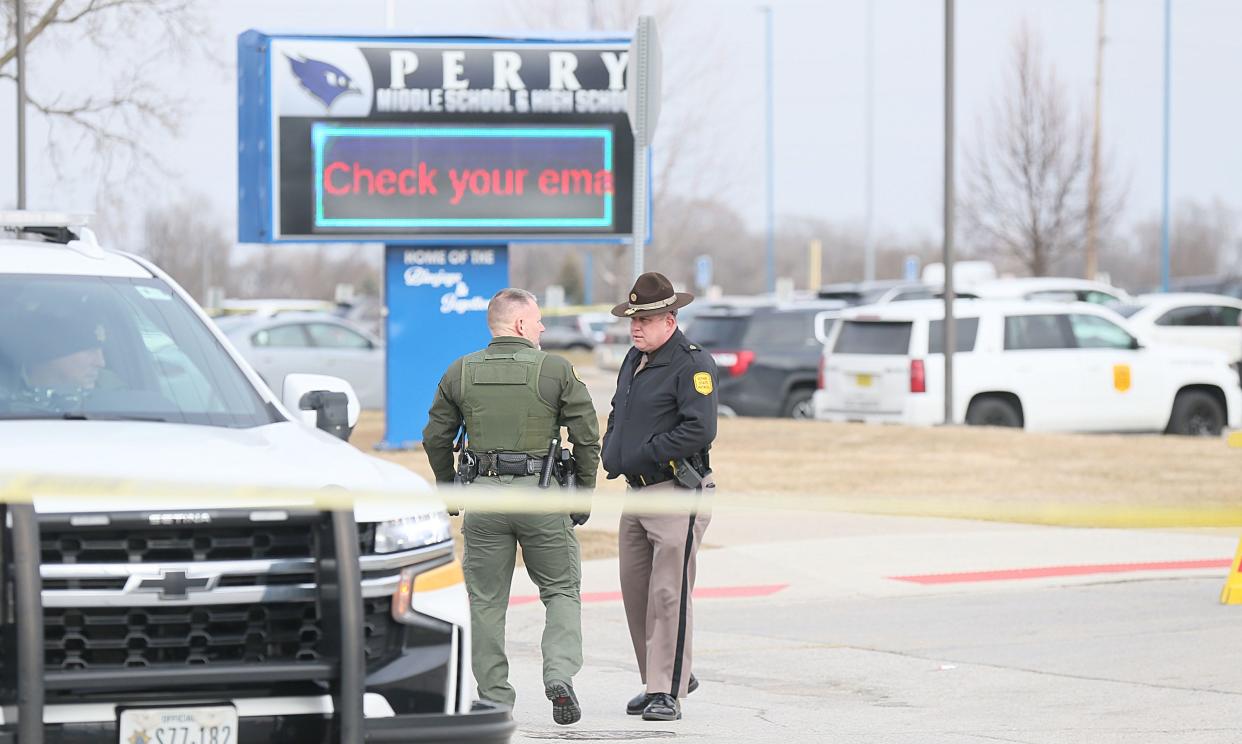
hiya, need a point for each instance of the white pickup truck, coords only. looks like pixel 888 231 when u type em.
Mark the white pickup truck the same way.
pixel 186 619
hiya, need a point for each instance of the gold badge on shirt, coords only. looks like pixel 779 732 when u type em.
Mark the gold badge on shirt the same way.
pixel 703 383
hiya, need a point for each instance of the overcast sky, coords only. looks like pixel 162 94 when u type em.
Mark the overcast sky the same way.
pixel 819 96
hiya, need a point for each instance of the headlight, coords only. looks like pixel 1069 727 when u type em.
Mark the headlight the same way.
pixel 412 532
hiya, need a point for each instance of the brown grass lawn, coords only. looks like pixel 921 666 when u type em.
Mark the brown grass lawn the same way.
pixel 931 470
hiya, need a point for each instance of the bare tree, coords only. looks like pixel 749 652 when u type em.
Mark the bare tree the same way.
pixel 112 121
pixel 306 271
pixel 187 240
pixel 1204 240
pixel 1026 188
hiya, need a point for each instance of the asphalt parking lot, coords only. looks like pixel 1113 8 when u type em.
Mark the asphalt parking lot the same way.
pixel 817 639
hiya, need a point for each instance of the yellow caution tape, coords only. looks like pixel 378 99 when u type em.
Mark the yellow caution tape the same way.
pixel 114 493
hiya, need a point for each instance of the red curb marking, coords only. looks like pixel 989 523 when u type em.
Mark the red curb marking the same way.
pixel 1014 574
pixel 712 592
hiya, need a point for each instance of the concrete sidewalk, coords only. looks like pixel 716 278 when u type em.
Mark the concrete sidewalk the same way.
pixel 845 652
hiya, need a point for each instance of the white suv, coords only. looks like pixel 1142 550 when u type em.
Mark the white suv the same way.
pixel 158 614
pixel 1047 366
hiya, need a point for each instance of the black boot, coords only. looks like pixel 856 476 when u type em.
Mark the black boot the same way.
pixel 639 702
pixel 565 708
pixel 663 707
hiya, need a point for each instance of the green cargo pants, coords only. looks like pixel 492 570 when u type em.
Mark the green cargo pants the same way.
pixel 553 561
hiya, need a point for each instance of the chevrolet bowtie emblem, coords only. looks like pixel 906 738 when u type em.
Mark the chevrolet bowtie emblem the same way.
pixel 174 584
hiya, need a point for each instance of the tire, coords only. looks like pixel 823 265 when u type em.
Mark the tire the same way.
pixel 993 411
pixel 798 405
pixel 1196 413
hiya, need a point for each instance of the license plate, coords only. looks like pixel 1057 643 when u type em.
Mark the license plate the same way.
pixel 863 380
pixel 205 725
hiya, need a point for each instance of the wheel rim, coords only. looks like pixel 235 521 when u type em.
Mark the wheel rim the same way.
pixel 1201 422
pixel 803 410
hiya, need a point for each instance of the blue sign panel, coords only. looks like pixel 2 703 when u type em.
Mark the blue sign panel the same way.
pixel 911 272
pixel 703 272
pixel 437 311
pixel 462 177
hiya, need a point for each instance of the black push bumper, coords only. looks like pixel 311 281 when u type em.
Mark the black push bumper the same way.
pixel 487 724
pixel 340 585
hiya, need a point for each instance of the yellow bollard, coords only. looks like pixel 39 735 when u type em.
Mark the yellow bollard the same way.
pixel 1235 439
pixel 1232 593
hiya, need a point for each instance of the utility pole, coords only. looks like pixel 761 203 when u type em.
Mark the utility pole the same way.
pixel 950 326
pixel 770 200
pixel 20 23
pixel 1164 189
pixel 869 243
pixel 1093 190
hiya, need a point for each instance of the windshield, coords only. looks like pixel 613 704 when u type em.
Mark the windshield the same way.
pixel 1125 310
pixel 115 348
pixel 873 337
pixel 718 331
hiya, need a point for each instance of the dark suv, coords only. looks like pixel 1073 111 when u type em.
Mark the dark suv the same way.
pixel 768 356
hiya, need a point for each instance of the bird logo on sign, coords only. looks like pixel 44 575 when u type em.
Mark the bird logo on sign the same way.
pixel 324 81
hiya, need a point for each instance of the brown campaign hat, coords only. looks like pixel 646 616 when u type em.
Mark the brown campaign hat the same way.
pixel 652 294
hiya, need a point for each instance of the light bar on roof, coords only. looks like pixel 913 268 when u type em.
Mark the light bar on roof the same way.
pixel 19 218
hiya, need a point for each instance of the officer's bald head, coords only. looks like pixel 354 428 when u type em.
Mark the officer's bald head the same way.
pixel 515 312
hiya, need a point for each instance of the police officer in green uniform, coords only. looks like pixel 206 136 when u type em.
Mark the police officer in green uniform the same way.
pixel 512 399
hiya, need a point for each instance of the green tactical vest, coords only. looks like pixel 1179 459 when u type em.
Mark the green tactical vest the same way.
pixel 501 405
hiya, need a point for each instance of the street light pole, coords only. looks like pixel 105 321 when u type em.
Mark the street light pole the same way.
pixel 869 248
pixel 770 260
pixel 1093 188
pixel 20 22
pixel 950 329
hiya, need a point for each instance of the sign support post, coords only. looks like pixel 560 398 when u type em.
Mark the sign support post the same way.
pixel 644 109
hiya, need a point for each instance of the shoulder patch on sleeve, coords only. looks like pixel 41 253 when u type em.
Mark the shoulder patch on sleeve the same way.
pixel 703 383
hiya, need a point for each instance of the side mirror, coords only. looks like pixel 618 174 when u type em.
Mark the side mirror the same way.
pixel 327 403
pixel 1135 344
pixel 824 322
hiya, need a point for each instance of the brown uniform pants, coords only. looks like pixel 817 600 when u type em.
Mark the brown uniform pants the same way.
pixel 658 557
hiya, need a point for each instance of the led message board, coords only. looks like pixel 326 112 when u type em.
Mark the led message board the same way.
pixel 462 177
pixel 433 140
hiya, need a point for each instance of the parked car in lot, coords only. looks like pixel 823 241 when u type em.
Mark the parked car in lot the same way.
pixel 581 331
pixel 768 357
pixel 1045 366
pixel 180 614
pixel 1045 288
pixel 1224 285
pixel 317 343
pixel 1208 321
pixel 616 343
pixel 877 292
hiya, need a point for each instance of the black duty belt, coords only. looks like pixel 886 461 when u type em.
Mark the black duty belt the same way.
pixel 508 463
pixel 643 481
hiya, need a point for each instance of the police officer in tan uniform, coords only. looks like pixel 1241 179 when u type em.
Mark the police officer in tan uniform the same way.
pixel 662 423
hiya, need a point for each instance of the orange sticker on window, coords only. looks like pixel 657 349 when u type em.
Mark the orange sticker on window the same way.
pixel 1121 377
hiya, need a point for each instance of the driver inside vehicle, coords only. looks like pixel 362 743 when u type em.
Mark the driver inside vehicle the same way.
pixel 60 357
